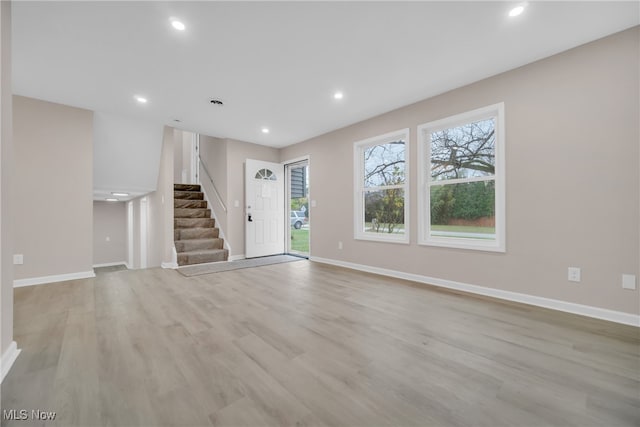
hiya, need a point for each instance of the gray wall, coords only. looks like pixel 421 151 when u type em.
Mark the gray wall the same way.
pixel 6 171
pixel 182 156
pixel 53 186
pixel 213 152
pixel 109 232
pixel 160 214
pixel 572 158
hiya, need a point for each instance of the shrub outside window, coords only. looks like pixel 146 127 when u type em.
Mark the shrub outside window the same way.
pixel 461 168
pixel 382 188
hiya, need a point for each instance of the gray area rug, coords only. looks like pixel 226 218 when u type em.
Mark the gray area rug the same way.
pixel 109 269
pixel 217 267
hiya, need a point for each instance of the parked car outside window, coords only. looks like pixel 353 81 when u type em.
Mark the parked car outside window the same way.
pixel 298 219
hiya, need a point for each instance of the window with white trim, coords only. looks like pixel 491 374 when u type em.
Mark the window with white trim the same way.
pixel 381 179
pixel 462 188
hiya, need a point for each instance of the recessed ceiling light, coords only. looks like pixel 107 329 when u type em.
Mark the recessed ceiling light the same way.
pixel 178 25
pixel 141 99
pixel 516 11
pixel 119 194
pixel 112 200
pixel 338 95
pixel 265 130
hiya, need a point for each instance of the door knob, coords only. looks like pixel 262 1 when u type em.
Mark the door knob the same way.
pixel 250 219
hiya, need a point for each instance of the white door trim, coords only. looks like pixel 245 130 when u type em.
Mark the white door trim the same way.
pixel 144 212
pixel 287 214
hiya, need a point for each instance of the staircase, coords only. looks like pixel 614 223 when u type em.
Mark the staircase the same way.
pixel 194 232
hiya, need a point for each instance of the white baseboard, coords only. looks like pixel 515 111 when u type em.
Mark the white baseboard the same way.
pixel 53 279
pixel 110 264
pixel 170 265
pixel 236 257
pixel 569 307
pixel 8 357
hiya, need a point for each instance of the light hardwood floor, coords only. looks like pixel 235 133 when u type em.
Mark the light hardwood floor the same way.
pixel 300 344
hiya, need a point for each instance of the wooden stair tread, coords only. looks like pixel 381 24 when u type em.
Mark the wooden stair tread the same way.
pixel 192 195
pixel 204 239
pixel 187 187
pixel 191 213
pixel 188 245
pixel 202 251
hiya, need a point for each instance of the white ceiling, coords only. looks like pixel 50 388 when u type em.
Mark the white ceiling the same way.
pixel 278 64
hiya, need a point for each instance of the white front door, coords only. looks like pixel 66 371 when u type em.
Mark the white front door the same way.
pixel 264 202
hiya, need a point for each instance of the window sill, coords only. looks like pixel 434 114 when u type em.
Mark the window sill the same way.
pixel 404 240
pixel 467 244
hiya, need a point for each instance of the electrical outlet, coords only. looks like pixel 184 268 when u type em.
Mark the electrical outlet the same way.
pixel 18 259
pixel 573 274
pixel 340 245
pixel 629 281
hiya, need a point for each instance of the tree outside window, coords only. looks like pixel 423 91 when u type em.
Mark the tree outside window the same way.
pixel 461 160
pixel 381 186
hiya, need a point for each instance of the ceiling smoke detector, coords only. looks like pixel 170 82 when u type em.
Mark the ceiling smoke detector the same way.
pixel 216 102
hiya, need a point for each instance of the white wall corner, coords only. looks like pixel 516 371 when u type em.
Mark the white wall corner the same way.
pixel 169 265
pixel 568 307
pixel 8 358
pixel 173 264
pixel 53 279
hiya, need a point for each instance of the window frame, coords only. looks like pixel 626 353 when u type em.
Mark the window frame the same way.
pixel 359 149
pixel 495 111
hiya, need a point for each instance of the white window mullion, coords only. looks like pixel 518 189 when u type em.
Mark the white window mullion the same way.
pixel 462 180
pixel 384 187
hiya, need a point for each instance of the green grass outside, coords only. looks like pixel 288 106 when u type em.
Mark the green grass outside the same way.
pixel 300 240
pixel 464 229
pixel 368 227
